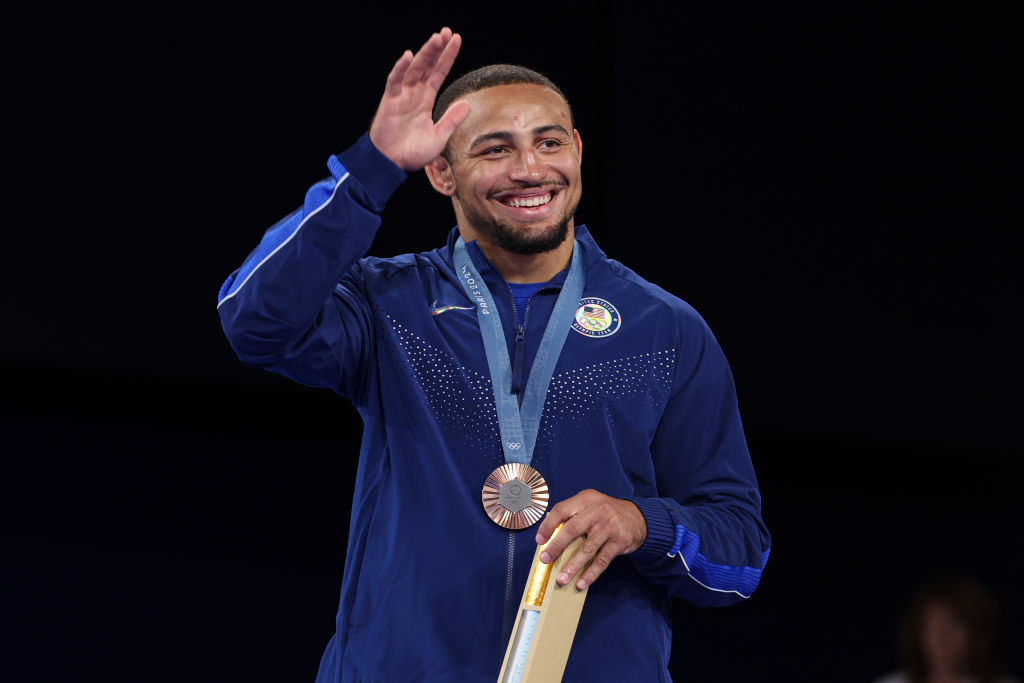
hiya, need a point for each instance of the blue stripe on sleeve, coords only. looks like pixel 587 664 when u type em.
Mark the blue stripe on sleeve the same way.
pixel 279 235
pixel 336 168
pixel 716 577
pixel 272 240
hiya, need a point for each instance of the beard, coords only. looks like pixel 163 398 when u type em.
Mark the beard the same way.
pixel 508 237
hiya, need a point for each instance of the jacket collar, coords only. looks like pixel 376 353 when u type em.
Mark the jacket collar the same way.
pixel 591 254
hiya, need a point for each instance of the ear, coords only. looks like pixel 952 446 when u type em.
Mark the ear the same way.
pixel 579 144
pixel 439 171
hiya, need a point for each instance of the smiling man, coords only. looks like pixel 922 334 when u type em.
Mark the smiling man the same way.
pixel 513 365
pixel 517 183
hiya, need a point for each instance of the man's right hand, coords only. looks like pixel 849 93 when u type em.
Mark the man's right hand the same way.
pixel 403 128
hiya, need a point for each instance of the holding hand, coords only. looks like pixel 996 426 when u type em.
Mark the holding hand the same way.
pixel 403 129
pixel 613 527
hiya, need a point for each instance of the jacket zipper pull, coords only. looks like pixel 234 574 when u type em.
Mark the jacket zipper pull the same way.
pixel 518 360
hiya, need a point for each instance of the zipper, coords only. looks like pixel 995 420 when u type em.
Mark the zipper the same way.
pixel 518 360
pixel 519 351
pixel 508 617
pixel 518 385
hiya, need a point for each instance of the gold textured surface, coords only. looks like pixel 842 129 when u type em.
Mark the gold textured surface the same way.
pixel 540 574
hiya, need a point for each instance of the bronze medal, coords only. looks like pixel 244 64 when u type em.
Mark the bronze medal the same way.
pixel 515 496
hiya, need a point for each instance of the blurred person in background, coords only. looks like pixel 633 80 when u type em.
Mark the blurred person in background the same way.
pixel 949 635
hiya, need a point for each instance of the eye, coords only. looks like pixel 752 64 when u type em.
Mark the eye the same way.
pixel 494 150
pixel 550 144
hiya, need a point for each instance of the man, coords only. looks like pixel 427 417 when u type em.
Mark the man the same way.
pixel 611 393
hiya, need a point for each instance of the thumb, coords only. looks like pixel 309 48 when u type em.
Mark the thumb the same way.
pixel 451 119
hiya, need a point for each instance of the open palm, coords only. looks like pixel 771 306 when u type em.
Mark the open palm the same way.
pixel 403 128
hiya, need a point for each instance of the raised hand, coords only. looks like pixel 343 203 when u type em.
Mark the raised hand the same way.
pixel 613 527
pixel 403 129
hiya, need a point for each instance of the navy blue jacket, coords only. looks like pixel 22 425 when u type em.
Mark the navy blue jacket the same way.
pixel 646 410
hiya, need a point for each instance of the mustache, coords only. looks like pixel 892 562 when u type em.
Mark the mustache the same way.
pixel 550 184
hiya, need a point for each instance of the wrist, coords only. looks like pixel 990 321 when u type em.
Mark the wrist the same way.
pixel 379 143
pixel 659 526
pixel 378 174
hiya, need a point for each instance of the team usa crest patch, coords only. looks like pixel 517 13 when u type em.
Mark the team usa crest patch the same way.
pixel 596 318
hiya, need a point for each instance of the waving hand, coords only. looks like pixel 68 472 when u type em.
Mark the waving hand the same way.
pixel 403 129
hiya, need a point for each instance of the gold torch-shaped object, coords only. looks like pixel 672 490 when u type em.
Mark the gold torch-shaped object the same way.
pixel 546 624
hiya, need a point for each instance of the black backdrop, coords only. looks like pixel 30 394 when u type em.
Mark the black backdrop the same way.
pixel 830 188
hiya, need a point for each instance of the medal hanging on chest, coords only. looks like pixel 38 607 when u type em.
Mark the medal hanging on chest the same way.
pixel 515 495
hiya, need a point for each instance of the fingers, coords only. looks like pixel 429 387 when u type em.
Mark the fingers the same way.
pixel 428 52
pixel 451 119
pixel 612 527
pixel 427 59
pixel 603 545
pixel 573 526
pixel 445 60
pixel 397 75
pixel 555 516
pixel 402 128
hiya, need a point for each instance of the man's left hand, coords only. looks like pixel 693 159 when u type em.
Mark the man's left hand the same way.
pixel 613 527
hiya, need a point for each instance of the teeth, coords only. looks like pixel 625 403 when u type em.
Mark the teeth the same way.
pixel 518 202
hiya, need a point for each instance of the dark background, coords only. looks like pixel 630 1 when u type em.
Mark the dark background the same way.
pixel 830 188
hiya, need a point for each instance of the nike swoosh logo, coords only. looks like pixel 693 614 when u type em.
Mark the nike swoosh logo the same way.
pixel 438 310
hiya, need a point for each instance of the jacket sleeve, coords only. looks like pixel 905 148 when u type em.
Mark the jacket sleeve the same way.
pixel 706 541
pixel 297 306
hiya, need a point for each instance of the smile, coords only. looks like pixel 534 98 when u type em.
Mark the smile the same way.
pixel 520 202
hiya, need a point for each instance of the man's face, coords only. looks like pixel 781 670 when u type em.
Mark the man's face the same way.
pixel 515 169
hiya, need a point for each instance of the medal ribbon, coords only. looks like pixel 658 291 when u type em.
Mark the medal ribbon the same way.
pixel 519 426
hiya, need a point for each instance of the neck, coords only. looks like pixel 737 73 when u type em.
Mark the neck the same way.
pixel 527 268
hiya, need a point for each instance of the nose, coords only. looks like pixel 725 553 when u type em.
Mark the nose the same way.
pixel 528 167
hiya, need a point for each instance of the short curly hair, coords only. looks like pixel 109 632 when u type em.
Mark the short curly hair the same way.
pixel 489 77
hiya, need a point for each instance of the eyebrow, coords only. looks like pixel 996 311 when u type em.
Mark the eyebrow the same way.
pixel 506 135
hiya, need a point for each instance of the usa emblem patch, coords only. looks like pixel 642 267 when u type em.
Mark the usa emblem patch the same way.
pixel 596 318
